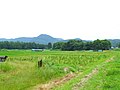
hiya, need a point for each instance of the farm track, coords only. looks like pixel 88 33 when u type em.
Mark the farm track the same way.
pixel 79 85
pixel 57 82
pixel 68 77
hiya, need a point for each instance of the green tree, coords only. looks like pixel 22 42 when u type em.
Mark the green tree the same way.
pixel 119 45
pixel 58 45
pixel 97 45
pixel 101 44
pixel 88 46
pixel 106 45
pixel 20 45
pixel 72 45
pixel 49 45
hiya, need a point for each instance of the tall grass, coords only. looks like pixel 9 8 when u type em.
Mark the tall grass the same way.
pixel 5 67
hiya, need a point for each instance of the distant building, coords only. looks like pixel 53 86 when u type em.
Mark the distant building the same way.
pixel 100 50
pixel 38 50
pixel 114 47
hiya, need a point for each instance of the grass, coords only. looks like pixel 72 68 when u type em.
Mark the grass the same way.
pixel 5 67
pixel 107 78
pixel 20 71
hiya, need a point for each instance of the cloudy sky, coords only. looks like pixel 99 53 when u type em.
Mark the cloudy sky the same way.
pixel 85 19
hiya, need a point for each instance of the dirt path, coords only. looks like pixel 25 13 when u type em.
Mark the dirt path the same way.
pixel 87 77
pixel 68 77
pixel 51 84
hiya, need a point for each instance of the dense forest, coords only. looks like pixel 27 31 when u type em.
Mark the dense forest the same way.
pixel 21 45
pixel 73 45
pixel 70 45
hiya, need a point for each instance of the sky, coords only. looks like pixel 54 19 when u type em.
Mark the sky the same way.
pixel 67 19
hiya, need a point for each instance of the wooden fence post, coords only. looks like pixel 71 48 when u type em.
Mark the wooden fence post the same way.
pixel 40 63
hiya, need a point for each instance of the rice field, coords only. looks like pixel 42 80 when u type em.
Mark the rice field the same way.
pixel 20 71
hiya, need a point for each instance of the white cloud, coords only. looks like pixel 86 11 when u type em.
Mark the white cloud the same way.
pixel 85 19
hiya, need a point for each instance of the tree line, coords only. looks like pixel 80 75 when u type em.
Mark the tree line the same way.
pixel 119 45
pixel 21 45
pixel 73 45
pixel 70 45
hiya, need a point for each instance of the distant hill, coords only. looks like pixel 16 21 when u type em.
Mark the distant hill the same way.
pixel 45 39
pixel 114 42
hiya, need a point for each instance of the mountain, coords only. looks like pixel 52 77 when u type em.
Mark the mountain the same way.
pixel 43 39
pixel 114 42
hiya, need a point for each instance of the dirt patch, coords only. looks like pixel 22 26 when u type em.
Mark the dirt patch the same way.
pixel 85 79
pixel 51 84
pixel 109 60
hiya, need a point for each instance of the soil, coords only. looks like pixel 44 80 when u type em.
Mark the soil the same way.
pixel 57 82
